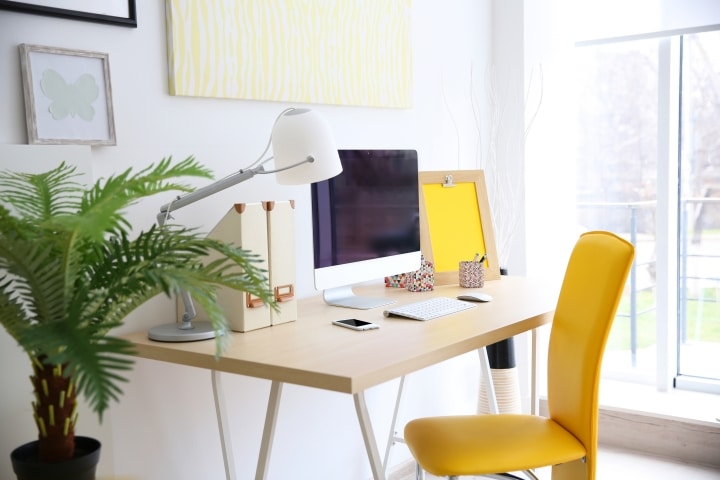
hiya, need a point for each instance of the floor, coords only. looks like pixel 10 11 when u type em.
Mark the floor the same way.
pixel 614 464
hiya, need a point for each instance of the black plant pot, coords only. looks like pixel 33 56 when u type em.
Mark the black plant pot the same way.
pixel 27 466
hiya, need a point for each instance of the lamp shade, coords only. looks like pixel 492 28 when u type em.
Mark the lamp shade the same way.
pixel 298 134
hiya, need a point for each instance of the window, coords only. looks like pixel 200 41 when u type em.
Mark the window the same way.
pixel 699 210
pixel 616 188
pixel 623 109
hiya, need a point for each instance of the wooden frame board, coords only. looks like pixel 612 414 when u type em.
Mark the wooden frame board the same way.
pixel 456 223
pixel 68 98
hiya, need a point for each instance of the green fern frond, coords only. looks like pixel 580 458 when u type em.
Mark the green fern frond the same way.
pixel 71 272
pixel 38 197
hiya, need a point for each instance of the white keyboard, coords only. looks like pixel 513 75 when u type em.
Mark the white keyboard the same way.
pixel 429 309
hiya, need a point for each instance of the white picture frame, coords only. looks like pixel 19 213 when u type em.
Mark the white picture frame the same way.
pixel 68 96
pixel 111 12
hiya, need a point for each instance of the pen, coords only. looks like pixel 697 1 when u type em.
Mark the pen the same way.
pixel 478 258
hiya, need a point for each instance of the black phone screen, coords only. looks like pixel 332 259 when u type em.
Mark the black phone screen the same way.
pixel 354 322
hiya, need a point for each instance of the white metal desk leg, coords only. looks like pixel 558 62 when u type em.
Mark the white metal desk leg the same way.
pixel 487 378
pixel 369 436
pixel 221 413
pixel 534 399
pixel 269 430
pixel 393 437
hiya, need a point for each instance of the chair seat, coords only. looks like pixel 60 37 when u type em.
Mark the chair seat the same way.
pixel 484 444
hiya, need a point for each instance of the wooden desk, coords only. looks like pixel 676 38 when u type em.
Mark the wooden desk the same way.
pixel 314 353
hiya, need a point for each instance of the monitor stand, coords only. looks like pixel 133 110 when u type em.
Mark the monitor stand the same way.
pixel 345 297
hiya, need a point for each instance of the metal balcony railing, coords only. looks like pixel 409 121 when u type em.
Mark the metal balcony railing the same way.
pixel 623 218
pixel 705 257
pixel 630 219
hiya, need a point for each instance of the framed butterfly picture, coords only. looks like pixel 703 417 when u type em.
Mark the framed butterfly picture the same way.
pixel 67 96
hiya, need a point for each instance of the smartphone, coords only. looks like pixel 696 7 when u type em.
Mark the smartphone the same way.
pixel 355 324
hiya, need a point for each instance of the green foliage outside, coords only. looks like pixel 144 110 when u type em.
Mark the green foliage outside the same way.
pixel 704 327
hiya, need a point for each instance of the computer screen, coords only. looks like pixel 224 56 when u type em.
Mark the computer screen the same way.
pixel 365 223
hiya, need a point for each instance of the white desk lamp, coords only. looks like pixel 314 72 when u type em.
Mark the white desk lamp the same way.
pixel 304 152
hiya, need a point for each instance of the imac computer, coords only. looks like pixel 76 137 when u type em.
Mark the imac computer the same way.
pixel 365 224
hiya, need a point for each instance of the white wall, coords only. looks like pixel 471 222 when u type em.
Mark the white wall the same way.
pixel 164 427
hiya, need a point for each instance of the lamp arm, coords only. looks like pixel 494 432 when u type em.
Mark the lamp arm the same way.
pixel 190 313
pixel 197 195
pixel 189 198
pixel 308 159
pixel 296 133
pixel 227 182
pixel 184 200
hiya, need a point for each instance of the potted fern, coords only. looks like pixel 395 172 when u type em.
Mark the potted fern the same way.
pixel 71 271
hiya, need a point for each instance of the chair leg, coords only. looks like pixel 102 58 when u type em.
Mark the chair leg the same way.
pixel 503 476
pixel 575 470
pixel 531 474
pixel 419 472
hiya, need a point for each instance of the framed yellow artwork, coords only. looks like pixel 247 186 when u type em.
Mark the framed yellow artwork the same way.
pixel 320 51
pixel 456 223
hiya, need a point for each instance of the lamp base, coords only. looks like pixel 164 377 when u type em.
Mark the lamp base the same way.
pixel 172 332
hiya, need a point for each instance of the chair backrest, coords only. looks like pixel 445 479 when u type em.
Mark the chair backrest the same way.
pixel 589 297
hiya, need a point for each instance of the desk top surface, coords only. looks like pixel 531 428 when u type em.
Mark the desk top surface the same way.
pixel 313 352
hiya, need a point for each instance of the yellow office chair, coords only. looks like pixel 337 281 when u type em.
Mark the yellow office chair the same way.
pixel 567 440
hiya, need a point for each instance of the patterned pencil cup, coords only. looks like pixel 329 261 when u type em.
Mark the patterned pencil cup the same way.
pixel 472 274
pixel 422 280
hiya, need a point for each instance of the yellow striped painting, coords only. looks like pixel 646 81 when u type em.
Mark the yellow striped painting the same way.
pixel 343 52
